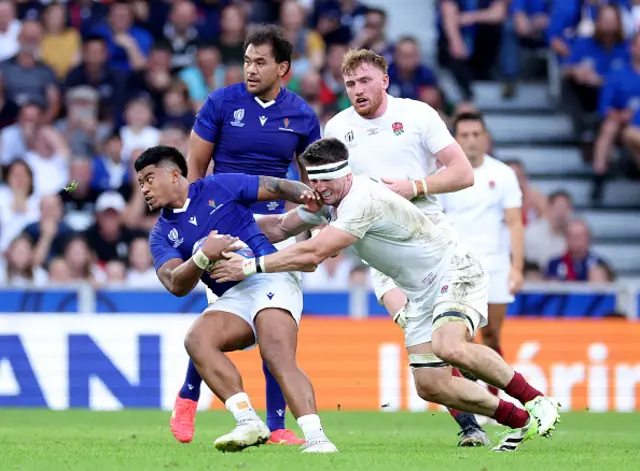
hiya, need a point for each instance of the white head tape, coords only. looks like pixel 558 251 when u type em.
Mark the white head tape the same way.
pixel 329 171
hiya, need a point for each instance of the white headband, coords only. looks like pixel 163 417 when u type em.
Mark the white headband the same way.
pixel 329 171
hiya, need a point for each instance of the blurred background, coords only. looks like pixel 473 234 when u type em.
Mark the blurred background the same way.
pixel 85 86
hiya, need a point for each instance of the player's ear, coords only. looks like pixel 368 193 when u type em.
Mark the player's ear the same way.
pixel 283 68
pixel 385 81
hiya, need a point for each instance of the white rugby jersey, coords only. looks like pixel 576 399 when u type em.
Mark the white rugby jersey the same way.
pixel 402 143
pixel 395 237
pixel 477 212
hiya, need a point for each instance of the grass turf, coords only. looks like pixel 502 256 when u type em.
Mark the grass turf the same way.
pixel 141 440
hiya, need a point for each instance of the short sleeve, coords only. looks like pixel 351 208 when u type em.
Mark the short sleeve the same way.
pixel 434 131
pixel 161 250
pixel 209 118
pixel 329 128
pixel 317 219
pixel 312 134
pixel 354 215
pixel 243 187
pixel 512 195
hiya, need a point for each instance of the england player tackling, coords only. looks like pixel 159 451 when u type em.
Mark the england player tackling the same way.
pixel 265 309
pixel 445 285
pixel 402 142
pixel 488 218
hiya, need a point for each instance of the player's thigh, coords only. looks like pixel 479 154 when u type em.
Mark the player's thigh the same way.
pixel 387 293
pixel 276 311
pixel 222 330
pixel 462 296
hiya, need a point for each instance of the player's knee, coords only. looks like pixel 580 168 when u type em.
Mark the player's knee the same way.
pixel 196 343
pixel 450 348
pixel 277 356
pixel 431 387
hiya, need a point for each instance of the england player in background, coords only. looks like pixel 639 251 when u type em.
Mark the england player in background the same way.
pixel 401 142
pixel 256 127
pixel 264 310
pixel 488 217
pixel 445 285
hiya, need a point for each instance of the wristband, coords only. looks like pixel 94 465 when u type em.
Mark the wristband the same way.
pixel 249 267
pixel 201 260
pixel 415 188
pixel 260 264
pixel 420 187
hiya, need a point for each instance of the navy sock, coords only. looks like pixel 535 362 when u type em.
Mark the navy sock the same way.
pixel 191 387
pixel 276 405
pixel 467 421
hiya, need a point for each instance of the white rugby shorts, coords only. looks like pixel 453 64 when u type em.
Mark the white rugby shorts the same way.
pixel 262 291
pixel 461 289
pixel 498 267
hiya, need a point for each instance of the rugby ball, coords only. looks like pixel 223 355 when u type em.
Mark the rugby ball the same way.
pixel 238 247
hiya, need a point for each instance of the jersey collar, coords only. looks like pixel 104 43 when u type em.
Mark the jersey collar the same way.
pixel 266 104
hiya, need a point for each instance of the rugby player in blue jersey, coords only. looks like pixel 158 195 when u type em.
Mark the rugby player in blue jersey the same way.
pixel 264 309
pixel 255 127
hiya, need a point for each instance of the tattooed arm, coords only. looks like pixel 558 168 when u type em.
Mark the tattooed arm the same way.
pixel 272 188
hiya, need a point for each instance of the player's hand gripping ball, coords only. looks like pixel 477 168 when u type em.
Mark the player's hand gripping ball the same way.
pixel 237 247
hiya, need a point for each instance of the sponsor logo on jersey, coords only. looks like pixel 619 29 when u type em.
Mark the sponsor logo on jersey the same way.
pixel 238 116
pixel 372 131
pixel 398 128
pixel 286 122
pixel 263 119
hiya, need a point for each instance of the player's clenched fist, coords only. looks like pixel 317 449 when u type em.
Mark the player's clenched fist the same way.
pixel 216 245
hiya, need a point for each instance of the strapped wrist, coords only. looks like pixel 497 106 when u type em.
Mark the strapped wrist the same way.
pixel 201 260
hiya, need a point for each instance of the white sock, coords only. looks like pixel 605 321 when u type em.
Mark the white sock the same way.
pixel 240 406
pixel 311 427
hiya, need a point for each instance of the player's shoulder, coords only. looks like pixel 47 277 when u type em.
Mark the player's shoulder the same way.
pixel 409 105
pixel 233 92
pixel 294 100
pixel 494 163
pixel 338 122
pixel 158 232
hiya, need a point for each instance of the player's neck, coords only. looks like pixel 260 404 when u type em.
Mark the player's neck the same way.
pixel 382 109
pixel 270 94
pixel 182 193
pixel 476 161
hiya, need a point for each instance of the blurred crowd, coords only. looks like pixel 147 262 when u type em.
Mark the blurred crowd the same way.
pixel 85 86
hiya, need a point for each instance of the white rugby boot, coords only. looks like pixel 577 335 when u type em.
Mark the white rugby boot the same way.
pixel 249 432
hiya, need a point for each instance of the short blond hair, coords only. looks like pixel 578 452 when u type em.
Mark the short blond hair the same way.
pixel 356 57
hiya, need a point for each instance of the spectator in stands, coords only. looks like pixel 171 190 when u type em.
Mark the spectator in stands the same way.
pixel 138 130
pixel 591 60
pixel 359 276
pixel 230 43
pixel 110 171
pixel 339 21
pixel 8 110
pixel 154 80
pixel 308 45
pixel 85 15
pixel 174 137
pixel 546 237
pixel 233 74
pixel 50 233
pixel 631 139
pixel 18 268
pixel 181 33
pixel 578 263
pixel 534 202
pixel 48 156
pixel 333 273
pixel 128 45
pixel 14 138
pixel 9 30
pixel 136 216
pixel 19 207
pixel 59 271
pixel 619 99
pixel 81 128
pixel 141 273
pixel 26 78
pixel 115 272
pixel 205 75
pixel 79 203
pixel 108 236
pixel 80 260
pixel 61 45
pixel 95 72
pixel 177 108
pixel 373 34
pixel 525 27
pixel 333 92
pixel 408 78
pixel 468 39
pixel 310 88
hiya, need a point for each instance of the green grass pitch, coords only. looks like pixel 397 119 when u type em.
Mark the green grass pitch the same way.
pixel 141 440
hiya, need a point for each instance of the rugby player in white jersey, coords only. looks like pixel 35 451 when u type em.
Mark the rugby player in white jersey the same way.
pixel 488 218
pixel 445 285
pixel 402 142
